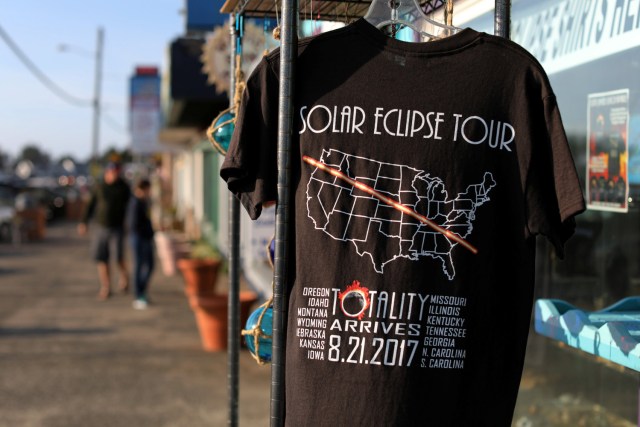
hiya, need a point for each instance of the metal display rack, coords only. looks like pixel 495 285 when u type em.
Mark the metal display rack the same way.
pixel 327 10
pixel 288 15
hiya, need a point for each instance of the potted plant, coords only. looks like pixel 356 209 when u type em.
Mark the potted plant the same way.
pixel 200 272
pixel 200 269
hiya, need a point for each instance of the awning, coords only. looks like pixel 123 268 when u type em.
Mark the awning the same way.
pixel 330 10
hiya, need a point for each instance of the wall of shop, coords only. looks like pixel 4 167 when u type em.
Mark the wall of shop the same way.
pixel 210 222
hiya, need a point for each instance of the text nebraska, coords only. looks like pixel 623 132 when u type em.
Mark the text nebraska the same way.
pixel 310 333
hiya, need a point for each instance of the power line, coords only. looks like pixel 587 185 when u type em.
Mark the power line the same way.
pixel 113 124
pixel 42 77
pixel 53 87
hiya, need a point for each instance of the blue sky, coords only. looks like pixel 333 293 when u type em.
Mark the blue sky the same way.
pixel 136 32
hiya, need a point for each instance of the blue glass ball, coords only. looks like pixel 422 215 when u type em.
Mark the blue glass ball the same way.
pixel 222 134
pixel 264 351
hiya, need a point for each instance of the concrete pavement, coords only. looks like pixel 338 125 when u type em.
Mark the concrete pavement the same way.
pixel 67 359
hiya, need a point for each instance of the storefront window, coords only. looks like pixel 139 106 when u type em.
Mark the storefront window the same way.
pixel 591 52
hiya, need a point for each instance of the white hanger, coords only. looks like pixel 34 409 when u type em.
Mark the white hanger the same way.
pixel 408 13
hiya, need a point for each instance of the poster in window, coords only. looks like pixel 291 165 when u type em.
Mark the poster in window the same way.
pixel 607 151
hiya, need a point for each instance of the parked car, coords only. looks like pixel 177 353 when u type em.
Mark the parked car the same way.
pixel 52 200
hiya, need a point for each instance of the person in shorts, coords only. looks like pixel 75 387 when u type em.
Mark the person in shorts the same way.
pixel 107 207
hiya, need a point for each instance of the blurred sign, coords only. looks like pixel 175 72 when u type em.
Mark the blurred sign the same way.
pixel 203 15
pixel 564 33
pixel 145 110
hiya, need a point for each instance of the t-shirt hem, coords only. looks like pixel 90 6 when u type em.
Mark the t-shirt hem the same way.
pixel 572 209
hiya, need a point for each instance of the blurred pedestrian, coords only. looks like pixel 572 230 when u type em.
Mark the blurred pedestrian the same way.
pixel 107 206
pixel 140 232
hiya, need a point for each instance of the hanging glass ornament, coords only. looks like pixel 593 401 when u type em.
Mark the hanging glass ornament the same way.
pixel 221 130
pixel 258 333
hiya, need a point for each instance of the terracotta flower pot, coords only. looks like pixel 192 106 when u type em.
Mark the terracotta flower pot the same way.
pixel 211 313
pixel 200 275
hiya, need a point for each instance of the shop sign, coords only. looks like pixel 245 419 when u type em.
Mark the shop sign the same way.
pixel 564 34
pixel 145 115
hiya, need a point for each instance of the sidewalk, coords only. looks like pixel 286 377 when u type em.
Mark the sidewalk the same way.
pixel 70 360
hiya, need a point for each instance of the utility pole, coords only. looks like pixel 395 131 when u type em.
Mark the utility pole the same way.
pixel 96 100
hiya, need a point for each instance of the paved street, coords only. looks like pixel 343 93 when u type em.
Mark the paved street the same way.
pixel 69 360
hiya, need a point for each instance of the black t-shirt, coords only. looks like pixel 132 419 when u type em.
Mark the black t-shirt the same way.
pixel 421 173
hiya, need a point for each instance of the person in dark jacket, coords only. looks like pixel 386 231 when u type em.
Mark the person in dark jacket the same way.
pixel 107 206
pixel 141 238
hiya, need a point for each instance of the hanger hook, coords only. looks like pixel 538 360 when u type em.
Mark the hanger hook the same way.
pixel 394 5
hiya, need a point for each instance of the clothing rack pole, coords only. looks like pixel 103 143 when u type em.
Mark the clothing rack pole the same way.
pixel 288 53
pixel 502 19
pixel 233 340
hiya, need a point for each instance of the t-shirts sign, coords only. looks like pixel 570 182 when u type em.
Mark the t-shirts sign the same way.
pixel 421 174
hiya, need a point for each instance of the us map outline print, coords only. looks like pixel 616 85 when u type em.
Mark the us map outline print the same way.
pixel 405 205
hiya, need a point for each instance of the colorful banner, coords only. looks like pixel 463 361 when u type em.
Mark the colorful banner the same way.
pixel 607 151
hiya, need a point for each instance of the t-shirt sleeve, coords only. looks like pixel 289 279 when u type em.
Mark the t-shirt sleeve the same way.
pixel 553 192
pixel 250 165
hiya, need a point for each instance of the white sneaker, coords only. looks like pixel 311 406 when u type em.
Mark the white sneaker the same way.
pixel 140 304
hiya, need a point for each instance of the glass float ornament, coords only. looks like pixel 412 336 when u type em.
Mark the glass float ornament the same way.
pixel 221 130
pixel 258 333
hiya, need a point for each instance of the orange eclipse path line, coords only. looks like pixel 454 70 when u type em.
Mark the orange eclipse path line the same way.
pixel 394 204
